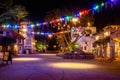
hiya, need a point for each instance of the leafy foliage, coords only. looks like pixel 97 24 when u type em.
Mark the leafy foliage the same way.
pixel 87 20
pixel 19 11
pixel 66 37
pixel 57 13
pixel 12 13
pixel 6 4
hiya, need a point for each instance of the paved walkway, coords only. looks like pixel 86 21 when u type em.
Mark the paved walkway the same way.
pixel 50 67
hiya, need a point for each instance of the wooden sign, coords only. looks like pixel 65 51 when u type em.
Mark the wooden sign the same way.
pixel 7 56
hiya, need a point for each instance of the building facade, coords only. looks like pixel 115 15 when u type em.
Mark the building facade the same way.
pixel 27 32
pixel 109 42
pixel 17 47
pixel 86 39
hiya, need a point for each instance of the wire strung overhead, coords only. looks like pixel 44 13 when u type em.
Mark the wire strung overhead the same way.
pixel 93 10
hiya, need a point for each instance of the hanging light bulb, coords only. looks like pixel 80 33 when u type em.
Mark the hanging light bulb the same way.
pixel 75 19
pixel 25 30
pixel 50 35
pixel 102 4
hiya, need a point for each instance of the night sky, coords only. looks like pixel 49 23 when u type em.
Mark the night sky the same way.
pixel 38 9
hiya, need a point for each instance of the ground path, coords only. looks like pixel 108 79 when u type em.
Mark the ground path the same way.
pixel 51 67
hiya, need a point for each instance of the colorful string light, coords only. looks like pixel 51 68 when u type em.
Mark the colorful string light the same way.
pixel 94 9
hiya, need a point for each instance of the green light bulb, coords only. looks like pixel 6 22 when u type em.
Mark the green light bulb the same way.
pixel 102 4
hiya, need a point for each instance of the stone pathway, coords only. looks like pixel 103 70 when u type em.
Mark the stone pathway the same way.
pixel 51 67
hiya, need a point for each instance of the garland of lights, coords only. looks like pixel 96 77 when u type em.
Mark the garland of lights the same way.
pixel 47 33
pixel 94 9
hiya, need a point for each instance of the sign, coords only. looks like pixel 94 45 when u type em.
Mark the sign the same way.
pixel 7 56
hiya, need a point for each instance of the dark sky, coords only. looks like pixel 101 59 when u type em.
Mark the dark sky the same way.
pixel 38 8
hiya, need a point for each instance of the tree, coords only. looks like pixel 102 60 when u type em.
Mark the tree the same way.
pixel 57 13
pixel 7 41
pixel 60 27
pixel 6 4
pixel 19 12
pixel 13 14
pixel 41 42
pixel 16 12
pixel 87 21
pixel 83 21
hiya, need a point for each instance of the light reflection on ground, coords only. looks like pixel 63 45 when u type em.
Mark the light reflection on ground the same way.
pixel 48 54
pixel 26 59
pixel 70 65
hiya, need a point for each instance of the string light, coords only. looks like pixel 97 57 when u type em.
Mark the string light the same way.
pixel 64 19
